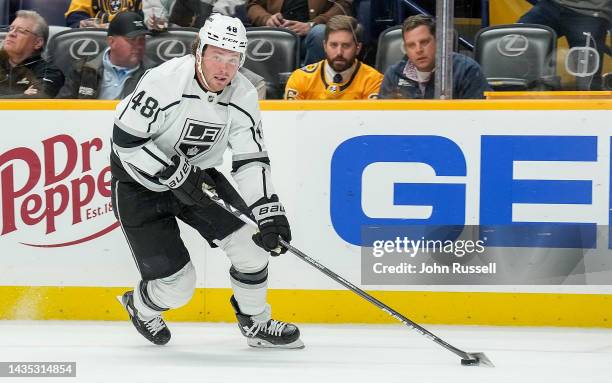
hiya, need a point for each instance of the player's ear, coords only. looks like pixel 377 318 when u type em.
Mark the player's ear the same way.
pixel 359 45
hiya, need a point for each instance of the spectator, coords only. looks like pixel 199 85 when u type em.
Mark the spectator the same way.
pixel 23 72
pixel 340 75
pixel 185 13
pixel 81 12
pixel 114 73
pixel 307 18
pixel 572 19
pixel 413 76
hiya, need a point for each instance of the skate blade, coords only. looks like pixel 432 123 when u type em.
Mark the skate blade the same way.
pixel 260 343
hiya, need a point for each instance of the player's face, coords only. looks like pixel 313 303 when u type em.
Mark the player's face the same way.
pixel 420 47
pixel 21 39
pixel 219 67
pixel 341 50
pixel 126 52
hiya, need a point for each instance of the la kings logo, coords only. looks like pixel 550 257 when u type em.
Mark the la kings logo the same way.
pixel 198 138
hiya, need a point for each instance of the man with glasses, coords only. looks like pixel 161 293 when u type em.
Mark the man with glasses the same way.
pixel 169 136
pixel 114 73
pixel 23 72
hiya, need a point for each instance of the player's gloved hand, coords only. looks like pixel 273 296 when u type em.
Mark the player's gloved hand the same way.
pixel 186 181
pixel 270 217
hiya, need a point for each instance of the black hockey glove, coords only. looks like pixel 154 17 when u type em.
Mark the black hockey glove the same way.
pixel 186 181
pixel 270 217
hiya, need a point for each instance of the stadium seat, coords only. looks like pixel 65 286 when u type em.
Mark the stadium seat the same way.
pixel 176 42
pixel 53 30
pixel 4 12
pixel 518 57
pixel 52 10
pixel 2 37
pixel 273 54
pixel 390 48
pixel 67 46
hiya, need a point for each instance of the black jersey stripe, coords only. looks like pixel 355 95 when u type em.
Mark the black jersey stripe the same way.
pixel 252 123
pixel 144 175
pixel 190 96
pixel 263 175
pixel 124 139
pixel 243 111
pixel 255 138
pixel 146 150
pixel 238 164
pixel 161 110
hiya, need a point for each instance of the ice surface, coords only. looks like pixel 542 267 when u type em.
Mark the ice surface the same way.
pixel 204 352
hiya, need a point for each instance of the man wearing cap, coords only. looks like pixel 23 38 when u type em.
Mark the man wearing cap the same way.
pixel 114 73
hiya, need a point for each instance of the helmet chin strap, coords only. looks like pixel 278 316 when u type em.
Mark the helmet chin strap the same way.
pixel 199 65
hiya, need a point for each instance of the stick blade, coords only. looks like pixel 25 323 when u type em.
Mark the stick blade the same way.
pixel 477 359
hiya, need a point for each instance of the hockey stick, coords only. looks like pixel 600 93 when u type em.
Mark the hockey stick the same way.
pixel 467 358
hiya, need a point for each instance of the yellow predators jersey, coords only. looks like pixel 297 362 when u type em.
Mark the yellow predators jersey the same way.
pixel 309 83
pixel 105 10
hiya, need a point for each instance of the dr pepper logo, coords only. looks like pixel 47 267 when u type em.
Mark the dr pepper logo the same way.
pixel 54 188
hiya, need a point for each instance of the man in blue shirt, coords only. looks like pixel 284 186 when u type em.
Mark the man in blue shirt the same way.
pixel 413 77
pixel 114 73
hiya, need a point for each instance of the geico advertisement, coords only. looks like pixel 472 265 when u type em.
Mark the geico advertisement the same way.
pixel 436 185
pixel 446 169
pixel 533 180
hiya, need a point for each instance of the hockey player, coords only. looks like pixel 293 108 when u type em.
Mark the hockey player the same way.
pixel 168 137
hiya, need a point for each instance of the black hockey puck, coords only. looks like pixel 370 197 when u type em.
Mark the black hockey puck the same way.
pixel 469 362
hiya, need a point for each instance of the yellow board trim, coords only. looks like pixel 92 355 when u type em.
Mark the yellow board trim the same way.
pixel 370 105
pixel 597 95
pixel 58 104
pixel 326 306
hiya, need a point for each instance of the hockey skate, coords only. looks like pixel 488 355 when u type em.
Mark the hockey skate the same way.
pixel 267 333
pixel 155 330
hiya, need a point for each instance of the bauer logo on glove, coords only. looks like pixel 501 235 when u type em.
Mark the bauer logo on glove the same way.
pixel 270 216
pixel 186 181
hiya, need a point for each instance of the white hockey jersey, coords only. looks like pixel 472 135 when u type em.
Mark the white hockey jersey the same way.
pixel 170 113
